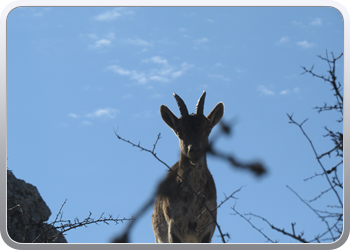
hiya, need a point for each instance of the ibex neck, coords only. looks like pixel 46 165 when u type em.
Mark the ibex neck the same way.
pixel 185 162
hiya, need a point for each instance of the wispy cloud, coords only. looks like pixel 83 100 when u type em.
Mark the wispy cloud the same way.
pixel 99 113
pixel 287 91
pixel 73 115
pixel 156 59
pixel 107 112
pixel 264 90
pixel 305 44
pixel 219 77
pixel 138 42
pixel 41 12
pixel 284 39
pixel 101 43
pixel 114 14
pixel 165 71
pixel 119 70
pixel 201 41
pixel 316 22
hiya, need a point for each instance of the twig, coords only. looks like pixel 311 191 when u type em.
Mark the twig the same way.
pixel 314 150
pixel 248 220
pixel 297 237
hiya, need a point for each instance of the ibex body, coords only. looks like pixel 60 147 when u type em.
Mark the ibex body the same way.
pixel 180 215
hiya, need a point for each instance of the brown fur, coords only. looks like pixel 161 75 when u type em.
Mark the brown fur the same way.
pixel 177 214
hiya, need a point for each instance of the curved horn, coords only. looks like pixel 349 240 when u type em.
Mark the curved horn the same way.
pixel 200 104
pixel 182 105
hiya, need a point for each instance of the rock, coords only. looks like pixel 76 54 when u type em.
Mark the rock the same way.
pixel 27 213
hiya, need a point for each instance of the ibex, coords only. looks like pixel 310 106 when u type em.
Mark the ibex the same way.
pixel 180 211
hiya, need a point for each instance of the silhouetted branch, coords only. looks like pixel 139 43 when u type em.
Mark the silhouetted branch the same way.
pixel 67 225
pixel 248 220
pixel 317 157
pixel 293 235
pixel 332 220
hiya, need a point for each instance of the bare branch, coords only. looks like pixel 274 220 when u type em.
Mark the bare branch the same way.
pixel 248 220
pixel 317 157
pixel 293 235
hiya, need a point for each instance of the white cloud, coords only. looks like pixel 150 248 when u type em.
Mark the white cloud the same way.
pixel 165 72
pixel 264 90
pixel 316 22
pixel 284 39
pixel 100 43
pixel 138 42
pixel 305 44
pixel 140 77
pixel 41 12
pixel 113 14
pixel 201 41
pixel 159 78
pixel 183 68
pixel 156 59
pixel 296 90
pixel 73 115
pixel 109 112
pixel 285 92
pixel 119 70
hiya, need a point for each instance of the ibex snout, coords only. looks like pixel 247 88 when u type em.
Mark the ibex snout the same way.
pixel 194 151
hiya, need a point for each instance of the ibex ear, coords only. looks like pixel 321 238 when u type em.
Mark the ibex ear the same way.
pixel 216 114
pixel 168 116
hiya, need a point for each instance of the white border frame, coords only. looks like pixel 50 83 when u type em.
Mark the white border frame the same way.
pixel 169 3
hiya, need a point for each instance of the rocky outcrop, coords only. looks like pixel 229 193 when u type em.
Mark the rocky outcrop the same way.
pixel 27 213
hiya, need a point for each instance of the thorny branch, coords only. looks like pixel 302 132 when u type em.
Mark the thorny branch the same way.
pixel 248 220
pixel 67 225
pixel 293 235
pixel 331 79
pixel 317 157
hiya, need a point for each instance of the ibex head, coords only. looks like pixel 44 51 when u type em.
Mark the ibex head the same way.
pixel 192 129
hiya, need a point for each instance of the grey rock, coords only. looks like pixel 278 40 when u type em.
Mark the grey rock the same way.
pixel 27 213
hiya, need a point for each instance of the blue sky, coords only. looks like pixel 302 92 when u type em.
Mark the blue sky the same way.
pixel 75 73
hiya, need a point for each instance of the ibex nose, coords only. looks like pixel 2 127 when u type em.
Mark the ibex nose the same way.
pixel 193 149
